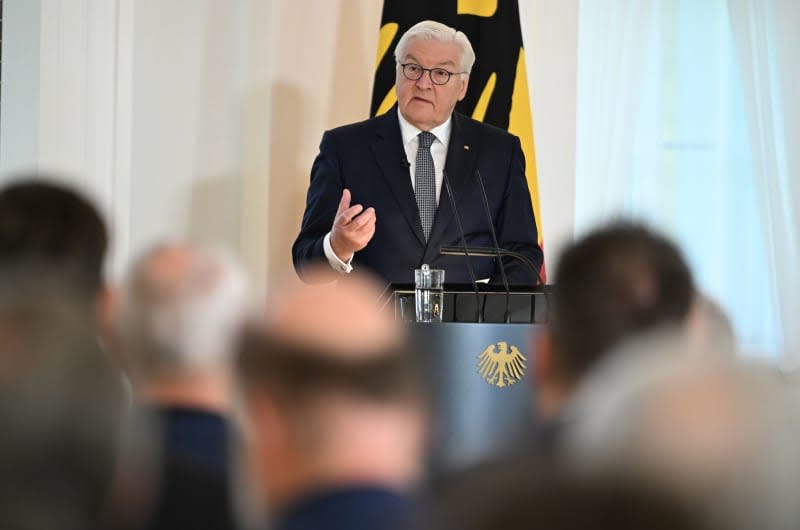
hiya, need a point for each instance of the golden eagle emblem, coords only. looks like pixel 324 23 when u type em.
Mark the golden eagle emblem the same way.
pixel 501 367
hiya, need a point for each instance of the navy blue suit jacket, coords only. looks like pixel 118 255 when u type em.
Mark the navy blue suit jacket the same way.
pixel 354 507
pixel 368 158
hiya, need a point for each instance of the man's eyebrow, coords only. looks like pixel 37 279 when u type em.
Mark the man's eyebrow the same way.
pixel 448 62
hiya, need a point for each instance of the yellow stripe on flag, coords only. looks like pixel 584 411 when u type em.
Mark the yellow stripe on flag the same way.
pixel 480 8
pixel 520 123
pixel 387 103
pixel 385 38
pixel 486 95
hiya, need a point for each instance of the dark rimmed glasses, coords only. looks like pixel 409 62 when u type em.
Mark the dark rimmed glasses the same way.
pixel 439 76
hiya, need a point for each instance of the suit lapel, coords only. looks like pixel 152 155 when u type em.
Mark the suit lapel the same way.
pixel 462 154
pixel 390 154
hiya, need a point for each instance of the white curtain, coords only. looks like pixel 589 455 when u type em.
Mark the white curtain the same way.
pixel 681 123
pixel 766 40
pixel 613 50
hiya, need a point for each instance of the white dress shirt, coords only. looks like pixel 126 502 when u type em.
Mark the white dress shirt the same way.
pixel 409 134
pixel 438 148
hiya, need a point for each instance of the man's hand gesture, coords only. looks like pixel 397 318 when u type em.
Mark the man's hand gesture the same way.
pixel 353 227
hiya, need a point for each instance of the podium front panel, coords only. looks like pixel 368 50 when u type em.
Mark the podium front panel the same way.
pixel 479 382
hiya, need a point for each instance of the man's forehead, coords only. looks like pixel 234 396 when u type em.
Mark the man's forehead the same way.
pixel 441 53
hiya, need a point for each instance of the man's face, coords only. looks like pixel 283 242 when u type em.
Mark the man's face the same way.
pixel 424 104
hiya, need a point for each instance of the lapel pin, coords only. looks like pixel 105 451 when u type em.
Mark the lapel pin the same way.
pixel 466 148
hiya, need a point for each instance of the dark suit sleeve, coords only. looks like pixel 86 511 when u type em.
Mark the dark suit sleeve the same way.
pixel 516 225
pixel 322 201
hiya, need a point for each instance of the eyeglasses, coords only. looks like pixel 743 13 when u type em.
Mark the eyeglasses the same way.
pixel 439 76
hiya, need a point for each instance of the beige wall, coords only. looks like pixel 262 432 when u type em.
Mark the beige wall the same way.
pixel 323 56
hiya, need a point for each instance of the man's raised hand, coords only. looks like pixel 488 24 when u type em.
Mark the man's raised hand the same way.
pixel 353 227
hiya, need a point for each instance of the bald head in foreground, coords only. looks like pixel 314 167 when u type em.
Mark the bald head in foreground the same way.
pixel 332 404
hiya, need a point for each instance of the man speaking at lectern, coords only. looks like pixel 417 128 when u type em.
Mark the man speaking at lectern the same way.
pixel 378 198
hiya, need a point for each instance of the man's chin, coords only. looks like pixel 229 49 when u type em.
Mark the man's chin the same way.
pixel 421 120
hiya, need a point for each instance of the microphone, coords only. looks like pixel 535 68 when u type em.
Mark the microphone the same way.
pixel 464 251
pixel 405 163
pixel 487 252
pixel 487 211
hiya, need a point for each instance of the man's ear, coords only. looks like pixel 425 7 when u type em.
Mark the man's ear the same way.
pixel 464 85
pixel 548 387
pixel 263 439
pixel 106 313
pixel 544 369
pixel 265 419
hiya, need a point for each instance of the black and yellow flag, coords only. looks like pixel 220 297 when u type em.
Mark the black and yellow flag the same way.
pixel 498 85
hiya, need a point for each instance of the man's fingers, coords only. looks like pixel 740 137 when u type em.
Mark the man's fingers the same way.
pixel 367 217
pixel 354 227
pixel 347 215
pixel 344 202
pixel 366 231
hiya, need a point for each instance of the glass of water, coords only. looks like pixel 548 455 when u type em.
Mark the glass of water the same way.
pixel 429 294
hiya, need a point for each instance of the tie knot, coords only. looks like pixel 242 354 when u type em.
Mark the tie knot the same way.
pixel 425 139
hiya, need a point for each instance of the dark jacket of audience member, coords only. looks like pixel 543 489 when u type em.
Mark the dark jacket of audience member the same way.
pixel 528 494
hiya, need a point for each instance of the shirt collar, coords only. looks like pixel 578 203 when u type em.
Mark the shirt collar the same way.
pixel 409 132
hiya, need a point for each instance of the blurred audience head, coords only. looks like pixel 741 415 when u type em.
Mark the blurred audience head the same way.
pixel 182 310
pixel 613 283
pixel 53 228
pixel 721 434
pixel 330 392
pixel 61 406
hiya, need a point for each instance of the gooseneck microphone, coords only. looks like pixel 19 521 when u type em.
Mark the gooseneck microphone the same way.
pixel 464 250
pixel 488 252
pixel 488 212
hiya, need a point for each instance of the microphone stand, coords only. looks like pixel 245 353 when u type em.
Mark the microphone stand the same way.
pixel 488 252
pixel 464 251
pixel 490 221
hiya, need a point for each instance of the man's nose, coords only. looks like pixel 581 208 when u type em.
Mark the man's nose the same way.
pixel 425 81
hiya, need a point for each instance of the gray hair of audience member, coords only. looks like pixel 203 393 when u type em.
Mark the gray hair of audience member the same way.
pixel 182 309
pixel 710 327
pixel 432 30
pixel 720 433
pixel 61 407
